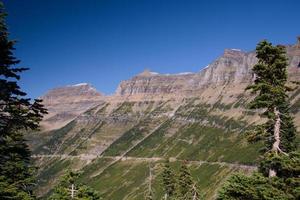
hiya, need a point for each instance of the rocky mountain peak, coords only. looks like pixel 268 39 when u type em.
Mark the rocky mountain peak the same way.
pixel 233 53
pixel 229 74
pixel 231 69
pixel 71 93
pixel 147 73
pixel 65 103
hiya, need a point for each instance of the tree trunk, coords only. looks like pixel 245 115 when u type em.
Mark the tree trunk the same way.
pixel 166 196
pixel 277 125
pixel 275 147
pixel 272 173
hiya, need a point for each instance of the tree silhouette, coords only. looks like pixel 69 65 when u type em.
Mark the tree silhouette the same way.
pixel 17 114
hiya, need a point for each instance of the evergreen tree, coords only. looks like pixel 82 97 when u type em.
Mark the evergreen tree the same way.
pixel 69 188
pixel 168 181
pixel 255 187
pixel 270 84
pixel 284 186
pixel 279 132
pixel 278 175
pixel 17 114
pixel 185 183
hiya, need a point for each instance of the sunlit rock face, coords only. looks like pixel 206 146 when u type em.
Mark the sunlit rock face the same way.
pixel 234 66
pixel 66 103
pixel 154 83
pixel 225 79
pixel 230 70
pixel 293 53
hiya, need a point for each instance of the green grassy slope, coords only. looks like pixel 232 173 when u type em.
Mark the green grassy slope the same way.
pixel 123 136
pixel 197 142
pixel 130 179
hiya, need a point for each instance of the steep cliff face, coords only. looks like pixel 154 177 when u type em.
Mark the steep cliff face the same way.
pixel 293 53
pixel 233 67
pixel 230 71
pixel 66 103
pixel 151 83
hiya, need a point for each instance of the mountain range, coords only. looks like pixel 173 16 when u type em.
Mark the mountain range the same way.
pixel 200 118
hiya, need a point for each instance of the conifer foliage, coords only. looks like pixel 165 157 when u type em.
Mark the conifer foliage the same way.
pixel 69 188
pixel 168 181
pixel 186 187
pixel 17 114
pixel 270 87
pixel 279 172
pixel 179 186
pixel 185 182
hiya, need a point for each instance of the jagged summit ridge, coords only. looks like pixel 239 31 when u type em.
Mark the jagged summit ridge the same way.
pixel 231 69
pixel 233 66
pixel 225 77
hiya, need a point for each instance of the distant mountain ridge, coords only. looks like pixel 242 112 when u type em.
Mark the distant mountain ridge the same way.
pixel 233 67
pixel 66 103
pixel 227 76
pixel 199 117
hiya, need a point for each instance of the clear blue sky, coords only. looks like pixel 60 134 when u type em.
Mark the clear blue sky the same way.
pixel 105 41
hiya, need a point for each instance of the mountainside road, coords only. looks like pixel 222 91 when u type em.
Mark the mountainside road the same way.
pixel 145 159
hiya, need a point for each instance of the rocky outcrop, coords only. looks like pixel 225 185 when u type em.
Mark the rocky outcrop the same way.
pixel 293 53
pixel 66 103
pixel 73 93
pixel 234 66
pixel 223 80
pixel 232 69
pixel 154 83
